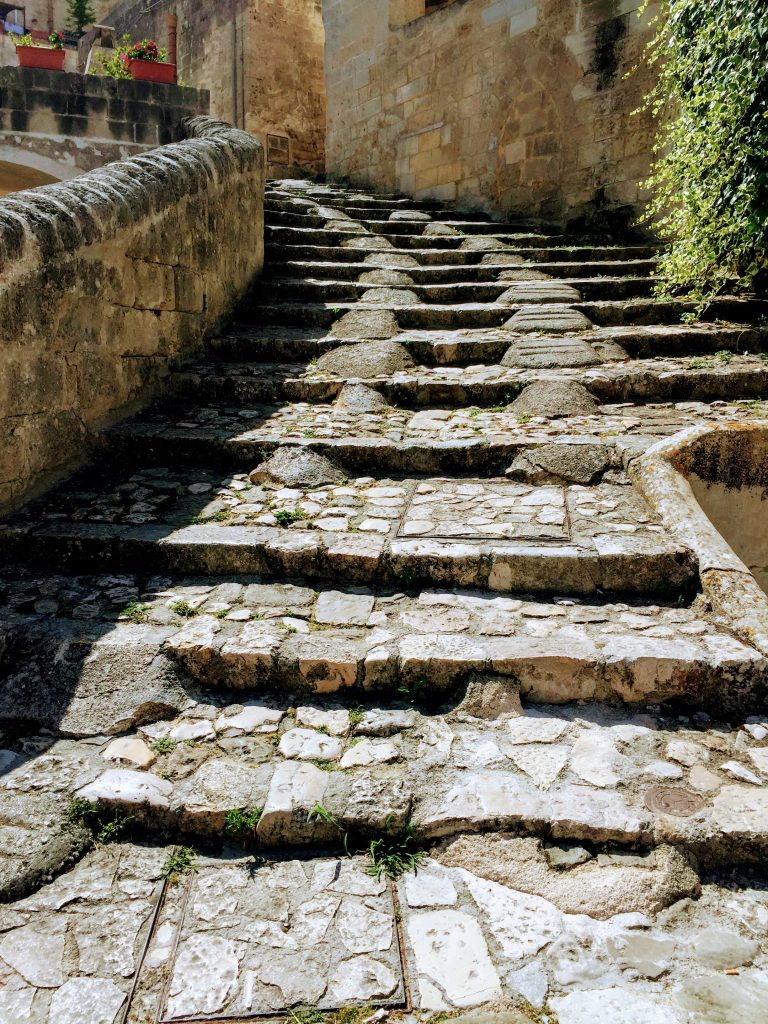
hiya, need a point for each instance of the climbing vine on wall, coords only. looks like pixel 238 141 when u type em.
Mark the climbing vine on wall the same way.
pixel 710 179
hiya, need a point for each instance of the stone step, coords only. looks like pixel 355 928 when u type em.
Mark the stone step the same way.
pixel 377 646
pixel 310 236
pixel 651 380
pixel 493 534
pixel 608 313
pixel 299 270
pixel 448 348
pixel 308 290
pixel 586 773
pixel 375 223
pixel 459 257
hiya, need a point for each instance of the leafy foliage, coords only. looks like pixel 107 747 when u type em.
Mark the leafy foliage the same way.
pixel 180 862
pixel 118 65
pixel 105 827
pixel 710 179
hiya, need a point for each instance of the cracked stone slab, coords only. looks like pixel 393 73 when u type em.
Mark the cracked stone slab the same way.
pixel 259 940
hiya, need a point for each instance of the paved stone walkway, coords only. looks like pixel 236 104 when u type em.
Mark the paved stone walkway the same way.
pixel 375 577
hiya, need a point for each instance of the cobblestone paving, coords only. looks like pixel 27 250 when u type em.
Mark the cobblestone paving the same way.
pixel 231 699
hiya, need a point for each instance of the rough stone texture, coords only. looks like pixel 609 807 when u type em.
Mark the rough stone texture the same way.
pixel 297 468
pixel 575 463
pixel 135 243
pixel 359 398
pixel 366 360
pixel 554 399
pixel 527 131
pixel 366 323
pixel 267 91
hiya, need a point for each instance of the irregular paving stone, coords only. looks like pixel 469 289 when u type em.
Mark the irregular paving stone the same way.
pixel 297 467
pixel 130 750
pixel 309 745
pixel 364 323
pixel 613 1006
pixel 573 463
pixel 451 953
pixel 95 1000
pixel 338 608
pixel 337 723
pixel 133 789
pixel 358 398
pixel 553 398
pixel 366 360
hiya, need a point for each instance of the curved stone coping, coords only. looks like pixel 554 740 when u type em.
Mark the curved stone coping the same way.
pixel 733 590
pixel 59 218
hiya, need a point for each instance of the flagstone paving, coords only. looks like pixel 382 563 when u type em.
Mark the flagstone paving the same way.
pixel 377 575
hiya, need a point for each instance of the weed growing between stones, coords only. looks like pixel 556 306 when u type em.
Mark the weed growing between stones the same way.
pixel 288 516
pixel 412 692
pixel 393 856
pixel 164 745
pixel 180 862
pixel 136 612
pixel 184 609
pixel 103 826
pixel 356 716
pixel 242 824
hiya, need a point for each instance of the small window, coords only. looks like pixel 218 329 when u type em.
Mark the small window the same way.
pixel 278 149
pixel 435 5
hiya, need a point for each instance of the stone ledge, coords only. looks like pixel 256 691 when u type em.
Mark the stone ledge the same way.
pixel 60 218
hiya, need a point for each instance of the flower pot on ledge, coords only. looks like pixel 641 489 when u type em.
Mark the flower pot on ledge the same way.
pixel 152 71
pixel 41 57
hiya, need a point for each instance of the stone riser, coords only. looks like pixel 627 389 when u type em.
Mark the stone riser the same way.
pixel 458 258
pixel 598 567
pixel 297 270
pixel 380 225
pixel 322 290
pixel 428 349
pixel 614 313
pixel 406 241
pixel 636 384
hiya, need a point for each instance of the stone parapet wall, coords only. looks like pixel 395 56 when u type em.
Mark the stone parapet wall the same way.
pixel 504 105
pixel 108 279
pixel 64 124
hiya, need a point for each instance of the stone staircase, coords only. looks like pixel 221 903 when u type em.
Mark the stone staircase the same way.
pixel 375 563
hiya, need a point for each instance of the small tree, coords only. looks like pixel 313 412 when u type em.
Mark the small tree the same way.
pixel 79 14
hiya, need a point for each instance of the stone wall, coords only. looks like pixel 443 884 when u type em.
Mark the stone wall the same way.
pixel 63 124
pixel 505 105
pixel 109 278
pixel 261 60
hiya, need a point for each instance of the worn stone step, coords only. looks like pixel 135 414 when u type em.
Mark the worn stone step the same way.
pixel 298 269
pixel 329 290
pixel 311 236
pixel 498 534
pixel 446 348
pixel 609 313
pixel 651 380
pixel 454 257
pixel 585 773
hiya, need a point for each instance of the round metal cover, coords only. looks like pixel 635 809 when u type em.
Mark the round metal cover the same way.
pixel 673 800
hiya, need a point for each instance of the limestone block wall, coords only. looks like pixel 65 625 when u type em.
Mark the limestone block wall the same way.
pixel 63 124
pixel 110 277
pixel 505 105
pixel 261 61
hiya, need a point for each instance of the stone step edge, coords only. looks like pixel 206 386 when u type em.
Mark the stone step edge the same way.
pixel 610 563
pixel 732 830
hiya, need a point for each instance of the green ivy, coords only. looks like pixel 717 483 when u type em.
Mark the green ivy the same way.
pixel 710 178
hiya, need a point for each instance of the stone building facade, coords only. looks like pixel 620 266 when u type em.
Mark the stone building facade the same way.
pixel 506 105
pixel 261 60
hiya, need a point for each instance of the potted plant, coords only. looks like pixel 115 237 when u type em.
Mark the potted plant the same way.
pixel 50 57
pixel 146 63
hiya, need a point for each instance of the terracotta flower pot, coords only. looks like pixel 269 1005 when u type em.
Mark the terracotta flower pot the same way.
pixel 41 57
pixel 152 71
